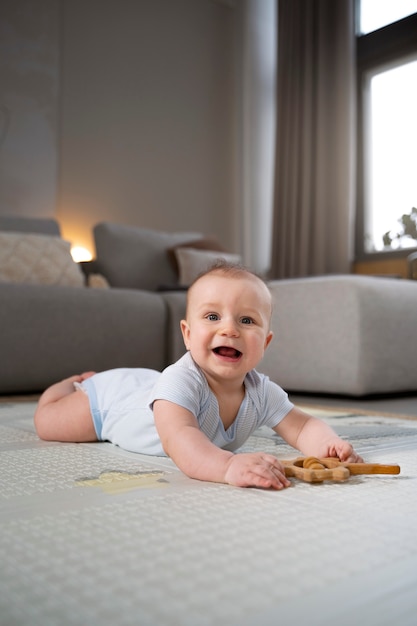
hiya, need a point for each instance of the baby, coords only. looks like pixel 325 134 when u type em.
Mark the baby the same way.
pixel 202 408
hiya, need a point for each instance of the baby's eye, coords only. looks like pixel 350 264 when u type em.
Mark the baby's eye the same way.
pixel 212 317
pixel 247 320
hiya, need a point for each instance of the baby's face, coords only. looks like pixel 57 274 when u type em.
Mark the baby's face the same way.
pixel 227 325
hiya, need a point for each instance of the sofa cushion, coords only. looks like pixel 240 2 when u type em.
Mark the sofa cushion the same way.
pixel 137 258
pixel 208 243
pixel 38 260
pixel 192 262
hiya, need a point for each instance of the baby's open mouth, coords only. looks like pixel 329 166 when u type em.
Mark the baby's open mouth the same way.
pixel 228 352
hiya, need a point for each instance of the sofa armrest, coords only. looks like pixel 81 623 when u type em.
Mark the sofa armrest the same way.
pixel 175 302
pixel 40 225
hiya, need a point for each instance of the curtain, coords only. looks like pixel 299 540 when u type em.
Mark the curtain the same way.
pixel 314 157
pixel 258 93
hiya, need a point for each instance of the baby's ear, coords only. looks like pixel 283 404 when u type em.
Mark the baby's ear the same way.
pixel 268 339
pixel 185 329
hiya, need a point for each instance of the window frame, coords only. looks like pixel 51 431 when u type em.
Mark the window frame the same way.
pixel 389 44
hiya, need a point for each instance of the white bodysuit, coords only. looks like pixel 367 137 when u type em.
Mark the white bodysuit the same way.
pixel 121 403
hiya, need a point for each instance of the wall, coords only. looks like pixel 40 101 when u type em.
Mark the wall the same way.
pixel 148 116
pixel 138 97
pixel 29 85
pixel 156 113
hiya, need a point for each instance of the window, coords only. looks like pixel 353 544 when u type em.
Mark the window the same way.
pixel 387 118
pixel 375 14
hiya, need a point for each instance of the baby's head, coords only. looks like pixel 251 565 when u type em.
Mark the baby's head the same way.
pixel 228 316
pixel 234 272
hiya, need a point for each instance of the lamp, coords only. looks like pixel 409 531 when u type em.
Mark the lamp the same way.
pixel 80 254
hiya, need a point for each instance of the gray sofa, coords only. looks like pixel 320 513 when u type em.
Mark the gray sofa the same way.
pixel 346 335
pixel 48 332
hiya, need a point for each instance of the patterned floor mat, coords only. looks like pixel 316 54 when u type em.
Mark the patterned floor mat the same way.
pixel 90 534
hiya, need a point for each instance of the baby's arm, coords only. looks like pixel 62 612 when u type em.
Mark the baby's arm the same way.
pixel 196 456
pixel 313 437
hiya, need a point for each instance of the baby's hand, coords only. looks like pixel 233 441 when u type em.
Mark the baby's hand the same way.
pixel 343 451
pixel 256 470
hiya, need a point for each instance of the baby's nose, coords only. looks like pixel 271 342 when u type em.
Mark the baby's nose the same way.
pixel 230 328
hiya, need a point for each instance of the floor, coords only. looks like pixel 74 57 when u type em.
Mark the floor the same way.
pixel 90 534
pixel 405 404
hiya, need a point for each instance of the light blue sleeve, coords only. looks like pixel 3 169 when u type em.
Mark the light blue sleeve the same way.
pixel 272 401
pixel 180 385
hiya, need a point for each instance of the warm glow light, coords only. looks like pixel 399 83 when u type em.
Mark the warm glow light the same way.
pixel 79 254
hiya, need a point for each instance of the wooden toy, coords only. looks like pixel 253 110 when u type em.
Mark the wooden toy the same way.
pixel 313 470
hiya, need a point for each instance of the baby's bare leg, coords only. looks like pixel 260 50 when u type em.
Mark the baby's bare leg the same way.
pixel 63 413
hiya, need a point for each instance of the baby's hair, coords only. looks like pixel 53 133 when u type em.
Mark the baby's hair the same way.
pixel 221 267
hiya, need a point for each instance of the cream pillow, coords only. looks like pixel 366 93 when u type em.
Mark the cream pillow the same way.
pixel 38 260
pixel 192 262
